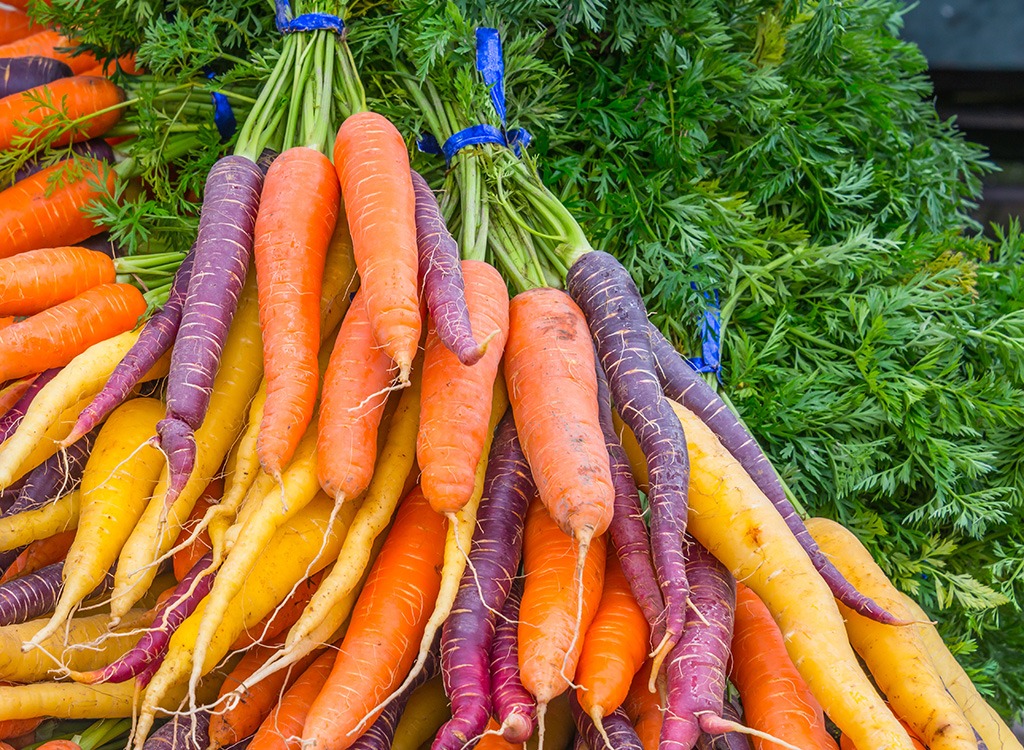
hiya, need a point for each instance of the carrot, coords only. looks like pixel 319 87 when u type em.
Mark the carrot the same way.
pixel 558 604
pixel 14 25
pixel 293 230
pixel 187 556
pixel 39 554
pixel 32 281
pixel 776 700
pixel 454 411
pixel 17 727
pixel 56 336
pixel 45 209
pixel 60 745
pixel 282 729
pixel 373 169
pixel 492 739
pixel 32 525
pixel 40 114
pixel 387 624
pixel 46 44
pixel 283 616
pixel 643 706
pixel 125 64
pixel 845 743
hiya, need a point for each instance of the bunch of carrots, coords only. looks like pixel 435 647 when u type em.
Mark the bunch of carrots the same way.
pixel 343 490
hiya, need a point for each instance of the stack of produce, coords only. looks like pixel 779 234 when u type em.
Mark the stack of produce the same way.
pixel 379 470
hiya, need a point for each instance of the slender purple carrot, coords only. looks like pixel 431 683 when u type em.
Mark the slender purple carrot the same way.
pixel 682 384
pixel 628 530
pixel 619 731
pixel 58 475
pixel 222 252
pixel 382 731
pixel 186 731
pixel 615 312
pixel 154 340
pixel 19 74
pixel 143 660
pixel 493 560
pixel 513 706
pixel 729 740
pixel 697 665
pixel 441 276
pixel 35 594
pixel 265 159
pixel 96 148
pixel 12 417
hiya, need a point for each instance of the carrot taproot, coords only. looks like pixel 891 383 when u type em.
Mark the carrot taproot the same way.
pixel 376 183
pixel 291 239
pixel 34 280
pixel 426 709
pixel 41 115
pixel 56 336
pixel 384 732
pixel 48 43
pixel 775 698
pixel 18 727
pixel 11 393
pixel 14 25
pixel 188 555
pixel 387 624
pixel 282 729
pixel 511 703
pixel 643 707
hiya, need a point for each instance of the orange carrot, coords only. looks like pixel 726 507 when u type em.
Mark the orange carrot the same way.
pixel 283 616
pixel 126 64
pixel 6 320
pixel 47 44
pixel 555 610
pixel 60 745
pixel 282 730
pixel 188 556
pixel 644 709
pixel 293 230
pixel 11 728
pixel 45 209
pixel 87 100
pixel 15 24
pixel 614 648
pixel 32 281
pixel 10 394
pixel 39 554
pixel 456 398
pixel 353 399
pixel 56 336
pixel 492 739
pixel 373 168
pixel 775 698
pixel 387 624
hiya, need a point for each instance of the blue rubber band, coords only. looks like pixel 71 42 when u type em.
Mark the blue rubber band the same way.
pixel 710 337
pixel 286 24
pixel 223 114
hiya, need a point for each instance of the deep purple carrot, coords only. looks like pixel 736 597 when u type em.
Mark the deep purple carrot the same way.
pixel 187 731
pixel 697 665
pixel 97 148
pixel 628 530
pixel 19 74
pixel 143 660
pixel 9 494
pixel 684 385
pixel 493 561
pixel 35 594
pixel 729 740
pixel 382 731
pixel 12 417
pixel 222 252
pixel 58 475
pixel 619 733
pixel 615 313
pixel 441 277
pixel 513 706
pixel 154 340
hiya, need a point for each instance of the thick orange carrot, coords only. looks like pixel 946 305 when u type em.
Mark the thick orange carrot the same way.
pixel 456 398
pixel 293 230
pixel 386 627
pixel 643 708
pixel 18 727
pixel 46 44
pixel 15 24
pixel 32 281
pixel 775 698
pixel 56 336
pixel 39 554
pixel 27 118
pixel 188 556
pixel 45 209
pixel 283 616
pixel 550 621
pixel 282 730
pixel 353 399
pixel 373 168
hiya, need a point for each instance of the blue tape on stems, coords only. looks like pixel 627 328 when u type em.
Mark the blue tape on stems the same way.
pixel 286 24
pixel 223 114
pixel 710 338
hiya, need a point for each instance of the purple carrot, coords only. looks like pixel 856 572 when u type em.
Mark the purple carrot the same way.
pixel 441 276
pixel 265 159
pixel 96 148
pixel 685 386
pixel 493 560
pixel 628 530
pixel 697 665
pixel 728 740
pixel 9 494
pixel 513 706
pixel 35 594
pixel 58 475
pixel 186 731
pixel 615 313
pixel 154 340
pixel 382 731
pixel 19 74
pixel 222 252
pixel 12 417
pixel 103 243
pixel 8 556
pixel 618 734
pixel 143 660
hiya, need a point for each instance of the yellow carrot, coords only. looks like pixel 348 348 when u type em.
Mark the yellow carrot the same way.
pixel 53 518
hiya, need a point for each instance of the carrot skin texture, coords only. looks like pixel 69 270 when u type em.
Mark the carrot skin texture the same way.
pixel 441 275
pixel 55 336
pixel 32 281
pixel 382 732
pixel 494 557
pixel 19 74
pixel 222 251
pixel 59 474
pixel 15 24
pixel 283 728
pixel 35 594
pixel 189 731
pixel 12 417
pixel 644 709
pixel 621 734
pixel 44 43
pixel 290 248
pixel 78 97
pixel 514 707
pixel 727 740
pixel 376 183
pixel 94 148
pixel 39 554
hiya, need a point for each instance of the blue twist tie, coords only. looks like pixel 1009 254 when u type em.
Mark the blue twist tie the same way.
pixel 306 22
pixel 710 337
pixel 223 115
pixel 491 64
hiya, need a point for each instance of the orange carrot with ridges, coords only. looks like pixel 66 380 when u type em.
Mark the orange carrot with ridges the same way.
pixel 45 44
pixel 282 730
pixel 373 168
pixel 32 281
pixel 188 556
pixel 15 24
pixel 90 101
pixel 643 708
